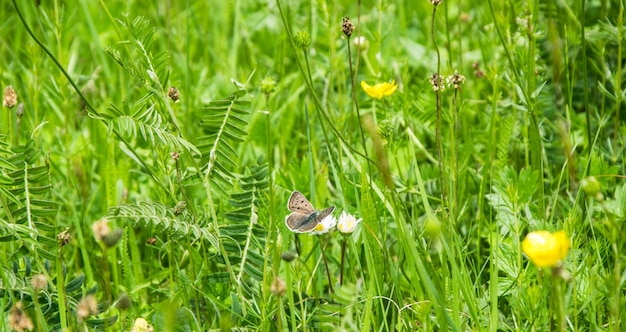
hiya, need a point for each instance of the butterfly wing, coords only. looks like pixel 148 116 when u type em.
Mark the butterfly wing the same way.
pixel 301 222
pixel 325 213
pixel 298 203
pixel 304 223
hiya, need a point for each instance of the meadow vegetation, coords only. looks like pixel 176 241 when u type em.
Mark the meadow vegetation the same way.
pixel 473 150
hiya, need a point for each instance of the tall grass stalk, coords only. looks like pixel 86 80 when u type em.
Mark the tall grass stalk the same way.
pixel 353 74
pixel 438 81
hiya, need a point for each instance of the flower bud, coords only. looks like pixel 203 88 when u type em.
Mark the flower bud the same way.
pixel 591 186
pixel 268 85
pixel 432 227
pixel 302 39
pixel 278 287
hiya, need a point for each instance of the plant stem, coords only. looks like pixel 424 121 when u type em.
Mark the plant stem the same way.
pixel 558 301
pixel 436 78
pixel 343 255
pixel 326 267
pixel 356 105
pixel 60 286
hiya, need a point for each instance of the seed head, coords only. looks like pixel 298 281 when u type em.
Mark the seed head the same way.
pixel 477 71
pixel 455 80
pixel 39 282
pixel 124 302
pixel 19 320
pixel 20 110
pixel 173 93
pixel 278 287
pixel 10 97
pixel 64 237
pixel 347 27
pixel 437 82
pixel 101 229
pixel 111 239
pixel 86 307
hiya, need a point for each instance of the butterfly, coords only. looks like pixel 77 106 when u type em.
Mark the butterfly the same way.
pixel 304 217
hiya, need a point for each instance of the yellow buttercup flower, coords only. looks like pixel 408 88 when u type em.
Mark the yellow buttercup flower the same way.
pixel 380 89
pixel 546 249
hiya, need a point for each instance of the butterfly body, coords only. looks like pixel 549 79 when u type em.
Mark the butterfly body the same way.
pixel 304 217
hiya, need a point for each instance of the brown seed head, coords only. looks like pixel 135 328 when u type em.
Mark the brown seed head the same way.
pixel 173 93
pixel 101 229
pixel 10 97
pixel 278 287
pixel 455 80
pixel 39 282
pixel 347 27
pixel 64 237
pixel 19 320
pixel 437 82
pixel 86 307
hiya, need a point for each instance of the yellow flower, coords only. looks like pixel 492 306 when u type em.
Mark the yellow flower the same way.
pixel 380 89
pixel 546 249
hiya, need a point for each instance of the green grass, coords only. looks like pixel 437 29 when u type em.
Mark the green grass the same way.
pixel 448 183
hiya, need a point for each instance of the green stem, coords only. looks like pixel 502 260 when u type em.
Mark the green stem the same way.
pixel 272 231
pixel 343 255
pixel 61 289
pixel 455 158
pixel 618 74
pixel 356 105
pixel 436 79
pixel 330 281
pixel 558 301
pixel 586 84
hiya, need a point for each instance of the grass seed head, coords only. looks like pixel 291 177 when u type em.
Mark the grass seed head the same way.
pixel 10 97
pixel 19 320
pixel 173 93
pixel 39 282
pixel 347 27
